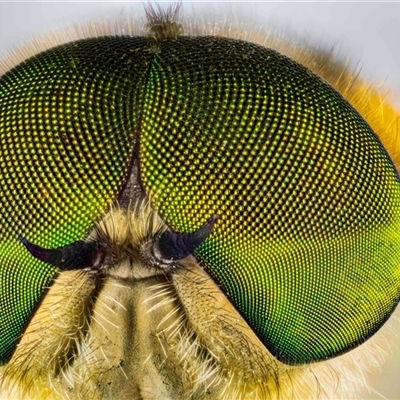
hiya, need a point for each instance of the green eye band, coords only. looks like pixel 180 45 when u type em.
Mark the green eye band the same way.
pixel 306 245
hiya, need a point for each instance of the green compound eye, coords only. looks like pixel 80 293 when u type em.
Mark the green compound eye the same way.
pixel 68 122
pixel 307 243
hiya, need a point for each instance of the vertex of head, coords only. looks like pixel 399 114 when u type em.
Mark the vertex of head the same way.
pixel 163 24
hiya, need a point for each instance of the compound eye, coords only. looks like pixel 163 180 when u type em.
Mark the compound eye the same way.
pixel 307 244
pixel 65 164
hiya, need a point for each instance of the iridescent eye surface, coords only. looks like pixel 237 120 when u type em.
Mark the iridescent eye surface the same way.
pixel 308 200
pixel 68 122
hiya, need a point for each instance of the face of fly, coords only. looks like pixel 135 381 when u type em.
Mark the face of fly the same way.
pixel 337 24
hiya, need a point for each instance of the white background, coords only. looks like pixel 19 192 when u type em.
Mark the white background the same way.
pixel 369 33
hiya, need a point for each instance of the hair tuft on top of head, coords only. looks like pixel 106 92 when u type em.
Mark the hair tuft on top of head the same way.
pixel 163 23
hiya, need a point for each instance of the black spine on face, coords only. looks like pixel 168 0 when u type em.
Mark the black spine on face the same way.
pixel 176 246
pixel 77 255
